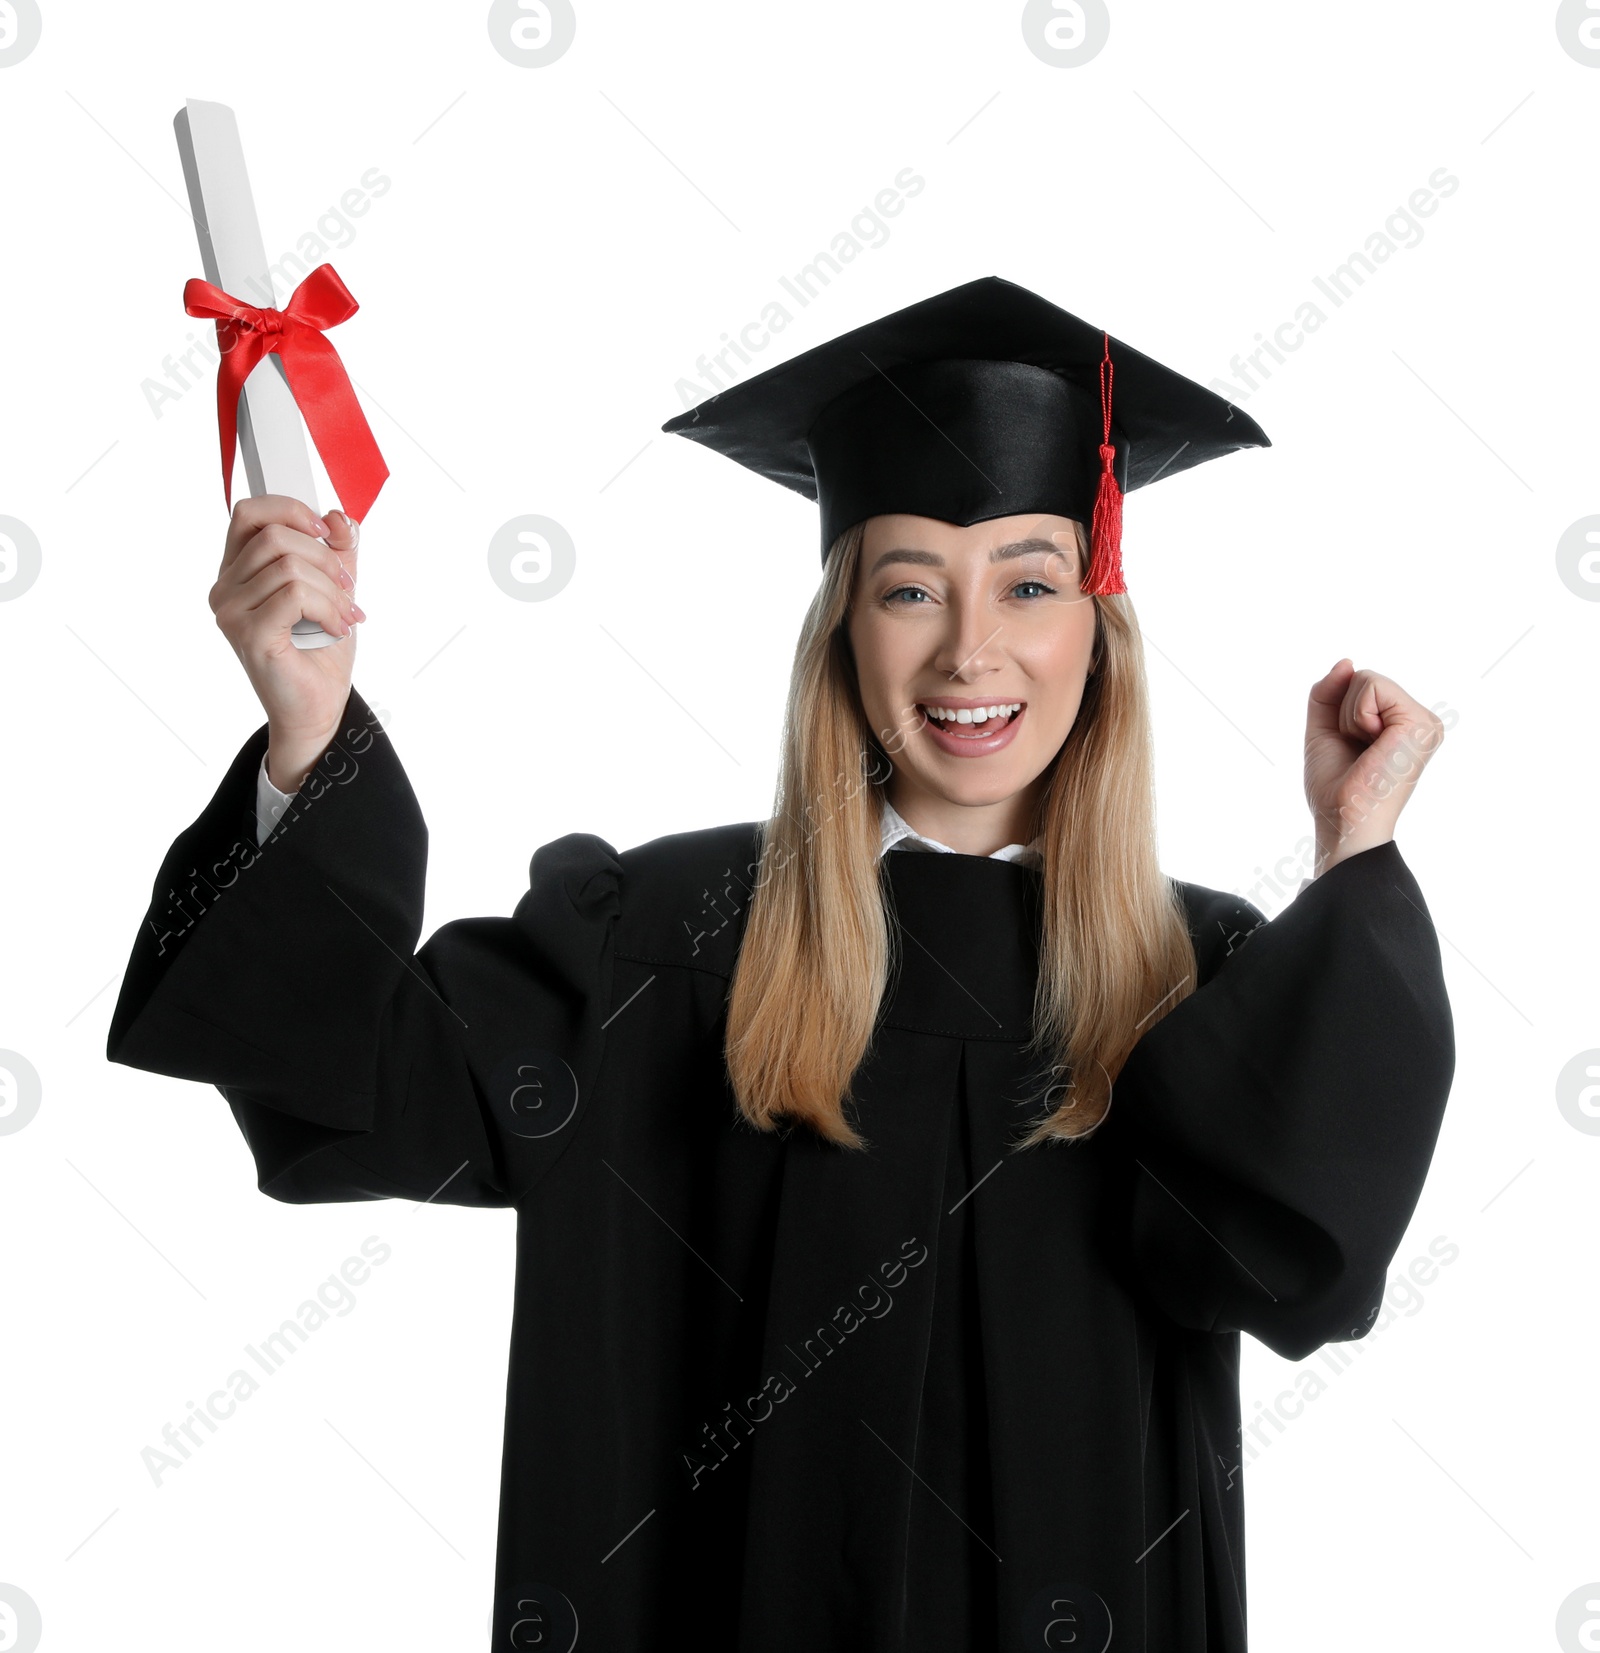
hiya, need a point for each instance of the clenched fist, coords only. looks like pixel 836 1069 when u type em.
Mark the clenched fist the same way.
pixel 1367 742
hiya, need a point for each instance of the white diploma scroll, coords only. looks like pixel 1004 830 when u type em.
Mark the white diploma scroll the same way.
pixel 271 432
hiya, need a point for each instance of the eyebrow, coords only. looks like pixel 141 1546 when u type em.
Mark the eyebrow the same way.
pixel 1001 553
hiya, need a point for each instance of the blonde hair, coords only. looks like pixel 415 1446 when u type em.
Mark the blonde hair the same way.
pixel 1115 954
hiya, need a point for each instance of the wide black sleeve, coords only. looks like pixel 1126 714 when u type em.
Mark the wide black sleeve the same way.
pixel 286 975
pixel 1282 1117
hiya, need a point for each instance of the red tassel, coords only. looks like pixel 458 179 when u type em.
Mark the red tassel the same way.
pixel 1105 534
pixel 1105 537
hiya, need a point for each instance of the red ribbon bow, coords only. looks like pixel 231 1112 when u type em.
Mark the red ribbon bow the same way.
pixel 317 378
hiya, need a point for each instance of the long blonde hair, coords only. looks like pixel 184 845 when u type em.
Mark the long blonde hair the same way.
pixel 814 963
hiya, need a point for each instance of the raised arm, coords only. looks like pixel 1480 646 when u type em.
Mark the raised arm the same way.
pixel 286 972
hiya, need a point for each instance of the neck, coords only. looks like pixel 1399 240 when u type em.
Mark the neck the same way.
pixel 971 829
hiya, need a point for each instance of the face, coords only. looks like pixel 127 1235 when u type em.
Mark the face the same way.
pixel 948 620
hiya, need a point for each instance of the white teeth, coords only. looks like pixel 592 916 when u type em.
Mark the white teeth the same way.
pixel 973 714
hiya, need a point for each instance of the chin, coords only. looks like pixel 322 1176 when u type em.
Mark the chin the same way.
pixel 975 791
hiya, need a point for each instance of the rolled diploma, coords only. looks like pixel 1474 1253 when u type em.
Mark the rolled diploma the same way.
pixel 271 432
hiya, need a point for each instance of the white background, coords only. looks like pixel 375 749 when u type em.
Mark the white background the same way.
pixel 557 248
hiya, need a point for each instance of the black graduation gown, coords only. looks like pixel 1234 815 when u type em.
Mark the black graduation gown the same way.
pixel 769 1393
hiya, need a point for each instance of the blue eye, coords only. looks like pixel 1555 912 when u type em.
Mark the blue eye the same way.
pixel 889 597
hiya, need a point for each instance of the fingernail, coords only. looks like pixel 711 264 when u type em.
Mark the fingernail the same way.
pixel 344 578
pixel 320 526
pixel 359 612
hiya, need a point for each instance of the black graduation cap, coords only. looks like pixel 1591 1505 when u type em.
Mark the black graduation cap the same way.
pixel 983 401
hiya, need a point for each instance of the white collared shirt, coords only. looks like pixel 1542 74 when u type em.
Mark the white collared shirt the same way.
pixel 898 833
pixel 270 803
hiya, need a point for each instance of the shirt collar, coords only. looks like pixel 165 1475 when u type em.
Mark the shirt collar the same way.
pixel 898 833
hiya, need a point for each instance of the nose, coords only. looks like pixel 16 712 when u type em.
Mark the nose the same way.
pixel 969 646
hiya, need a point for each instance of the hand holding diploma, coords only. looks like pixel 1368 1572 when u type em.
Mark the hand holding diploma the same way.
pixel 281 561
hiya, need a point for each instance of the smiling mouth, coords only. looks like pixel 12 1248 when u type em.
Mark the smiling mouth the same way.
pixel 971 722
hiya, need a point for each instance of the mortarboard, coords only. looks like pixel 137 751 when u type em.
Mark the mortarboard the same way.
pixel 983 401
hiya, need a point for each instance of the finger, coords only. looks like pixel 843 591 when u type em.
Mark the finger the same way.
pixel 1379 703
pixel 345 535
pixel 253 631
pixel 291 569
pixel 250 516
pixel 1325 704
pixel 293 602
pixel 1400 731
pixel 1359 713
pixel 345 542
pixel 273 542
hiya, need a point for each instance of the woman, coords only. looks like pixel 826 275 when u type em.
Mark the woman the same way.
pixel 852 1310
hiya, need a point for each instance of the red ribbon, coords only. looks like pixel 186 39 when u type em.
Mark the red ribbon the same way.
pixel 317 378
